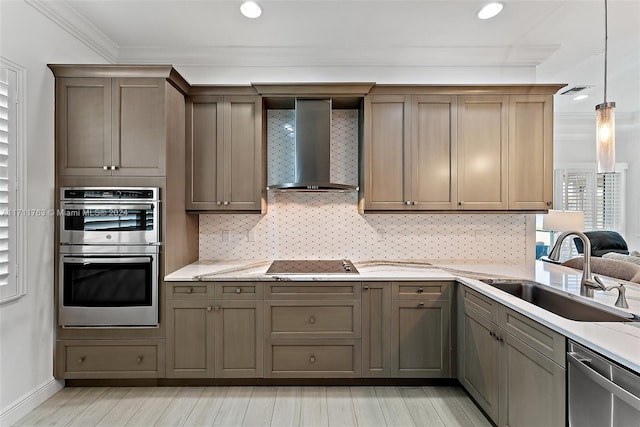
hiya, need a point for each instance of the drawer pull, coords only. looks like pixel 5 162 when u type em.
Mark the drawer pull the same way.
pixel 209 308
pixel 105 168
pixel 189 290
pixel 366 288
pixel 139 359
pixel 217 308
pixel 312 320
pixel 420 290
pixel 238 290
pixel 82 359
pixel 421 304
pixel 312 359
pixel 492 334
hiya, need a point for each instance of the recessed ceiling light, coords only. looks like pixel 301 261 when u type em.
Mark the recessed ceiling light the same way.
pixel 250 9
pixel 580 97
pixel 490 10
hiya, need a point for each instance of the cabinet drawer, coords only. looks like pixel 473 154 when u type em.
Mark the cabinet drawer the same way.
pixel 112 359
pixel 239 290
pixel 188 290
pixel 480 304
pixel 548 342
pixel 315 290
pixel 313 358
pixel 421 290
pixel 308 319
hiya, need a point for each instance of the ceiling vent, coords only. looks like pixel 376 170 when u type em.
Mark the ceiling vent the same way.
pixel 574 90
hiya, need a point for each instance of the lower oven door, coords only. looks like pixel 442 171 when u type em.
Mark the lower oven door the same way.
pixel 108 290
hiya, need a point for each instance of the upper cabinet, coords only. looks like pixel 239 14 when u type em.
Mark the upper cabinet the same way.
pixel 458 148
pixel 224 153
pixel 409 152
pixel 111 126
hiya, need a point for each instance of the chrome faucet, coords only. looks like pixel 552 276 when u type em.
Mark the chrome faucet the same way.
pixel 589 282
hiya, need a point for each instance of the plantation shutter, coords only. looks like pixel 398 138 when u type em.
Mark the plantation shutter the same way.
pixel 610 202
pixel 8 138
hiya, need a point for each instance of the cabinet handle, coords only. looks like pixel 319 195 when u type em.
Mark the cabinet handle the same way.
pixel 460 203
pixel 312 320
pixel 238 290
pixel 226 203
pixel 365 288
pixel 113 168
pixel 420 290
pixel 492 334
pixel 82 359
pixel 217 308
pixel 500 339
pixel 139 359
pixel 105 168
pixel 549 203
pixel 189 290
pixel 415 203
pixel 312 359
pixel 209 308
pixel 408 202
pixel 218 203
pixel 421 304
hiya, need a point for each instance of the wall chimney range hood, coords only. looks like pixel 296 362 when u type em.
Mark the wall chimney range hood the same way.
pixel 312 149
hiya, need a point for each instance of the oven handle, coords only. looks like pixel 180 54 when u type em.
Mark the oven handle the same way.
pixel 603 382
pixel 109 207
pixel 114 260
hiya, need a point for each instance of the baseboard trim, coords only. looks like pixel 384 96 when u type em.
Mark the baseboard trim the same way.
pixel 27 403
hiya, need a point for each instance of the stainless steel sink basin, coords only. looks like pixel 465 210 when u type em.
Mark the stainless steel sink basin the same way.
pixel 560 303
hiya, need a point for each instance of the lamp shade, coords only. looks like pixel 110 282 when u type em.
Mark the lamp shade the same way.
pixel 563 221
pixel 606 137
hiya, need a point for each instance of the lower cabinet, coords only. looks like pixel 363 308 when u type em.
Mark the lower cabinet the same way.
pixel 376 329
pixel 515 369
pixel 210 338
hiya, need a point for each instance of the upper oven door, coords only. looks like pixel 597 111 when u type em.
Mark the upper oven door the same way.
pixel 119 223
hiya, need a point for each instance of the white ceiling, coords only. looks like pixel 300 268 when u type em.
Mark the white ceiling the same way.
pixel 531 40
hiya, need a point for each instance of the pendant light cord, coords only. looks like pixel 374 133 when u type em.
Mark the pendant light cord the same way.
pixel 606 37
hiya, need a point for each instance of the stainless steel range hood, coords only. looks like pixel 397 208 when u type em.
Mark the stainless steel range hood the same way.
pixel 312 149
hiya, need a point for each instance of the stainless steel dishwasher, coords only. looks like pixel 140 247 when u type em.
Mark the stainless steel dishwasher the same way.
pixel 601 393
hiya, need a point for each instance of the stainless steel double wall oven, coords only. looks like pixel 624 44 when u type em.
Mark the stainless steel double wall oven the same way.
pixel 109 254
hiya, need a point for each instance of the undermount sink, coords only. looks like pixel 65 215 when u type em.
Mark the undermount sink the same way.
pixel 560 303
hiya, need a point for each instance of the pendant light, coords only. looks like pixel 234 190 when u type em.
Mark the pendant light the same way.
pixel 605 121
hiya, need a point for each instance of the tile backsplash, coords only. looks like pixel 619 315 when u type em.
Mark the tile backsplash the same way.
pixel 328 225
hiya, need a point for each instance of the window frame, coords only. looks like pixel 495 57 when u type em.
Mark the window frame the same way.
pixel 17 246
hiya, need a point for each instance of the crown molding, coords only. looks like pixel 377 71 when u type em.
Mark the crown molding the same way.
pixel 67 18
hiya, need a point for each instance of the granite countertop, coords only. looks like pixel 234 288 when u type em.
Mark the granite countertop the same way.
pixel 619 341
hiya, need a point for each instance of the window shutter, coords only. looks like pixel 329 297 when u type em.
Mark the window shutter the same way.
pixel 610 201
pixel 7 136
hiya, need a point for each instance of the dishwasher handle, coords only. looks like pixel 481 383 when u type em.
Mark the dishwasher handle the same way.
pixel 611 387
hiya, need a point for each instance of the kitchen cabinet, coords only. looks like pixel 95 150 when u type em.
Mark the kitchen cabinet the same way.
pixel 410 152
pixel 224 153
pixel 530 152
pixel 483 152
pixel 376 329
pixel 515 368
pixel 420 330
pixel 111 126
pixel 209 337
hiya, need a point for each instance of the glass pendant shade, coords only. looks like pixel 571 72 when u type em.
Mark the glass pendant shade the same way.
pixel 605 137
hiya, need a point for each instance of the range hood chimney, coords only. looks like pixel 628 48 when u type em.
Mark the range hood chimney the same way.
pixel 312 149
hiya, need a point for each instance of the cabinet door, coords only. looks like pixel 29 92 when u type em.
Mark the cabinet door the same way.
pixel 238 339
pixel 242 153
pixel 138 140
pixel 83 125
pixel 190 339
pixel 532 387
pixel 530 152
pixel 376 329
pixel 433 152
pixel 387 152
pixel 204 152
pixel 482 152
pixel 420 339
pixel 479 361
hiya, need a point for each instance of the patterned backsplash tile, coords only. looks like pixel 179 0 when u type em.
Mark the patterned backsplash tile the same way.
pixel 328 225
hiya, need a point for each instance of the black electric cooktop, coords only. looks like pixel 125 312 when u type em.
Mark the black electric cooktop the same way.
pixel 331 266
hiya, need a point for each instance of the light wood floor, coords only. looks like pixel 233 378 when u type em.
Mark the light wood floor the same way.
pixel 257 406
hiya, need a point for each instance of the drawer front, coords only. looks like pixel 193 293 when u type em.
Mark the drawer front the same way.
pixel 548 342
pixel 312 319
pixel 113 360
pixel 480 304
pixel 239 290
pixel 421 290
pixel 194 290
pixel 313 359
pixel 314 291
